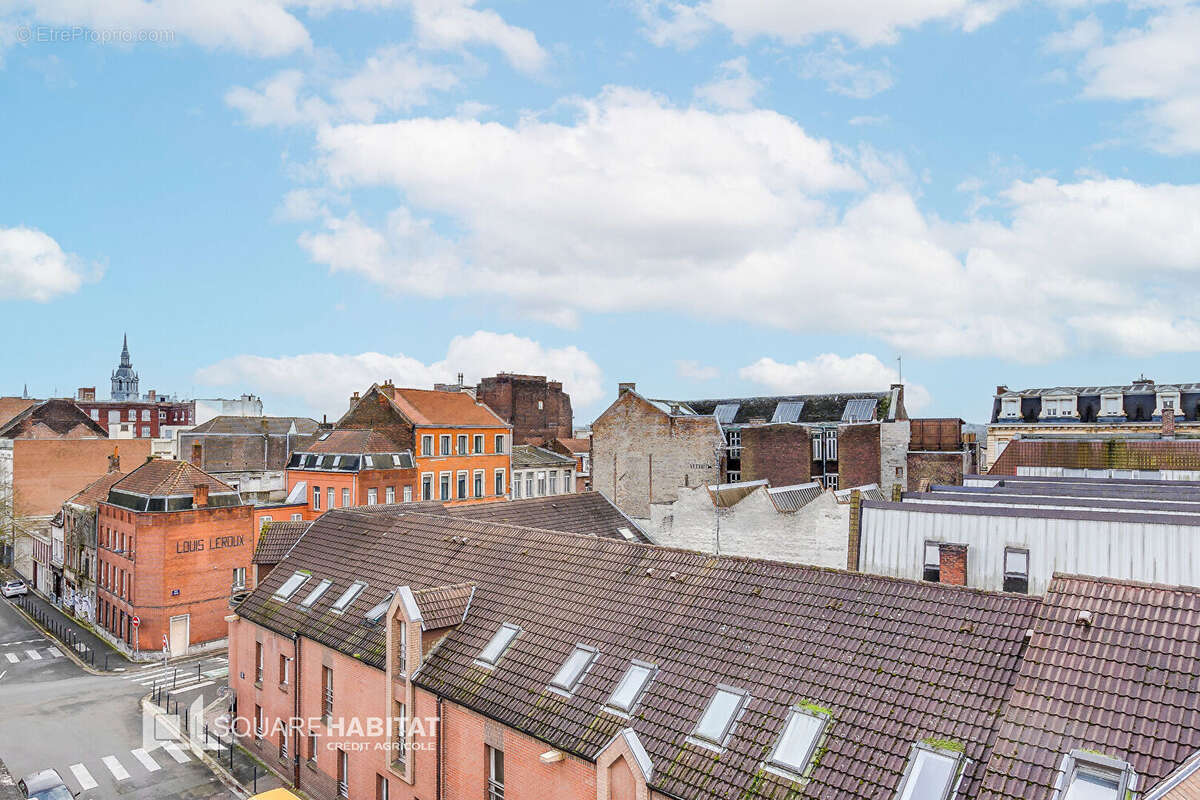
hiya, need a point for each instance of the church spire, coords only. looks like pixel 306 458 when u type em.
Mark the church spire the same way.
pixel 124 379
pixel 125 361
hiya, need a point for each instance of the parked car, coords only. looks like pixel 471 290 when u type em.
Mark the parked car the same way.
pixel 45 785
pixel 13 588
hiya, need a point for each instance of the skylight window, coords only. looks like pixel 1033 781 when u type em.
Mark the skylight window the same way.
pixel 788 411
pixel 720 715
pixel 628 534
pixel 498 645
pixel 930 775
pixel 725 412
pixel 629 691
pixel 1090 776
pixel 795 747
pixel 290 586
pixel 353 591
pixel 860 410
pixel 572 670
pixel 316 593
pixel 376 613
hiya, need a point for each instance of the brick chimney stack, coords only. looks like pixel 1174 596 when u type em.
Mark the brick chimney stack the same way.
pixel 114 461
pixel 622 388
pixel 1001 390
pixel 1168 423
pixel 953 564
pixel 353 399
pixel 200 495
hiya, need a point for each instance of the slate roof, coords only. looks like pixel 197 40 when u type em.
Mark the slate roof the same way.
pixel 427 407
pixel 1138 403
pixel 817 407
pixel 1112 453
pixel 272 426
pixel 526 455
pixel 277 539
pixel 1126 685
pixel 49 419
pixel 164 478
pixel 894 661
pixel 96 491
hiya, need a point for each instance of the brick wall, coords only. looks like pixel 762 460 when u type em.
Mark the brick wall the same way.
pixel 781 454
pixel 537 408
pixel 858 454
pixel 928 468
pixel 953 564
pixel 641 455
pixel 46 472
pixel 376 411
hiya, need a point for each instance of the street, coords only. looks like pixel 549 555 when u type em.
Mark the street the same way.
pixel 55 715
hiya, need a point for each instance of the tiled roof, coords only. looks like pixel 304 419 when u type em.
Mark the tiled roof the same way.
pixel 427 407
pixel 163 478
pixel 273 426
pixel 1124 685
pixel 1114 453
pixel 11 406
pixel 816 408
pixel 444 606
pixel 349 441
pixel 588 513
pixel 48 419
pixel 526 455
pixel 895 662
pixel 277 540
pixel 96 491
pixel 576 445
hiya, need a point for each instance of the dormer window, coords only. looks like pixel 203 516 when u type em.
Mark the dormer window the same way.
pixel 1112 405
pixel 1091 776
pixel 1010 407
pixel 1058 406
pixel 1167 400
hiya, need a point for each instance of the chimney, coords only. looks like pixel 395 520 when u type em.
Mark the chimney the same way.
pixel 622 388
pixel 460 380
pixel 1001 390
pixel 852 545
pixel 114 461
pixel 200 495
pixel 353 399
pixel 953 564
pixel 1168 423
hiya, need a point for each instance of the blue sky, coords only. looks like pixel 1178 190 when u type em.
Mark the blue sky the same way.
pixel 708 197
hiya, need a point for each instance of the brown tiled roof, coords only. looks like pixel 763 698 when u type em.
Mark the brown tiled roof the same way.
pixel 1124 685
pixel 444 606
pixel 51 419
pixel 1113 453
pixel 427 407
pixel 349 441
pixel 527 455
pixel 97 490
pixel 11 407
pixel 277 540
pixel 588 513
pixel 575 445
pixel 163 478
pixel 894 661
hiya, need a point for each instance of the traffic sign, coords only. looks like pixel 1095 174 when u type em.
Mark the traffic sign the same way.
pixel 136 620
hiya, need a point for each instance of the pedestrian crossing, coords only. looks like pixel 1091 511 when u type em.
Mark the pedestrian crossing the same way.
pixel 187 676
pixel 32 654
pixel 139 761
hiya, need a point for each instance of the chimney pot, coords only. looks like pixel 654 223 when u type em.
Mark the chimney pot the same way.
pixel 622 388
pixel 1001 389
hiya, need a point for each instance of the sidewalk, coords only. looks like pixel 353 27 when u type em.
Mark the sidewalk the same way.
pixel 74 636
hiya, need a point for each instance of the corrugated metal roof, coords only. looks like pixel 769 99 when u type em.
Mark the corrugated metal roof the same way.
pixel 730 494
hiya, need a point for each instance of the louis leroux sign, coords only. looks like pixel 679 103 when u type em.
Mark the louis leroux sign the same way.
pixel 213 543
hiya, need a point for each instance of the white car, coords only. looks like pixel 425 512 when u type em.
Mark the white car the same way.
pixel 13 588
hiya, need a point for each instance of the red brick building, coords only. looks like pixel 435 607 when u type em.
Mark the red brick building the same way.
pixel 440 658
pixel 538 409
pixel 174 544
pixel 139 419
pixel 939 453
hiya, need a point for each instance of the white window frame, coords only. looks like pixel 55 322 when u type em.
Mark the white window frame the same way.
pixel 389 494
pixel 460 444
pixel 1096 764
pixel 499 443
pixel 647 673
pixel 959 762
pixel 445 485
pixel 444 444
pixel 372 496
pixel 1112 405
pixel 1010 407
pixel 498 482
pixel 775 764
pixel 426 480
pixel 427 444
pixel 573 670
pixel 516 485
pixel 502 640
pixel 1161 399
pixel 345 498
pixel 477 444
pixel 477 483
pixel 462 487
pixel 718 742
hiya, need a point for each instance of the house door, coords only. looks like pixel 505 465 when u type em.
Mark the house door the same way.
pixel 180 631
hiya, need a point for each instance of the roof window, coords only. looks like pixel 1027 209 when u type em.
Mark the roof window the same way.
pixel 719 716
pixel 860 410
pixel 1091 776
pixel 316 593
pixel 573 669
pixel 353 591
pixel 290 586
pixel 633 684
pixel 725 412
pixel 497 646
pixel 788 411
pixel 628 534
pixel 376 613
pixel 931 773
pixel 799 740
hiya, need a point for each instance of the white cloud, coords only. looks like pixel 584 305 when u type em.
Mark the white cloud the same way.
pixel 449 24
pixel 866 119
pixel 636 205
pixel 262 28
pixel 694 370
pixel 391 80
pixel 734 87
pixel 1159 66
pixel 867 22
pixel 846 77
pixel 324 381
pixel 829 373
pixel 1083 35
pixel 34 267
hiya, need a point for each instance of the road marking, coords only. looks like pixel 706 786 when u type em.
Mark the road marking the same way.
pixel 166 681
pixel 12 658
pixel 144 757
pixel 115 767
pixel 33 654
pixel 176 753
pixel 84 777
pixel 2 674
pixel 55 652
pixel 81 647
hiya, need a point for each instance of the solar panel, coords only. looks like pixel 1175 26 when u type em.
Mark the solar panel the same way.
pixel 788 411
pixel 860 410
pixel 725 412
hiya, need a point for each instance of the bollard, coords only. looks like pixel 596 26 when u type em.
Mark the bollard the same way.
pixel 174 677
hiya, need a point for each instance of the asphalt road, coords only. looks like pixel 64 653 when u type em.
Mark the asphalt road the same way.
pixel 55 715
